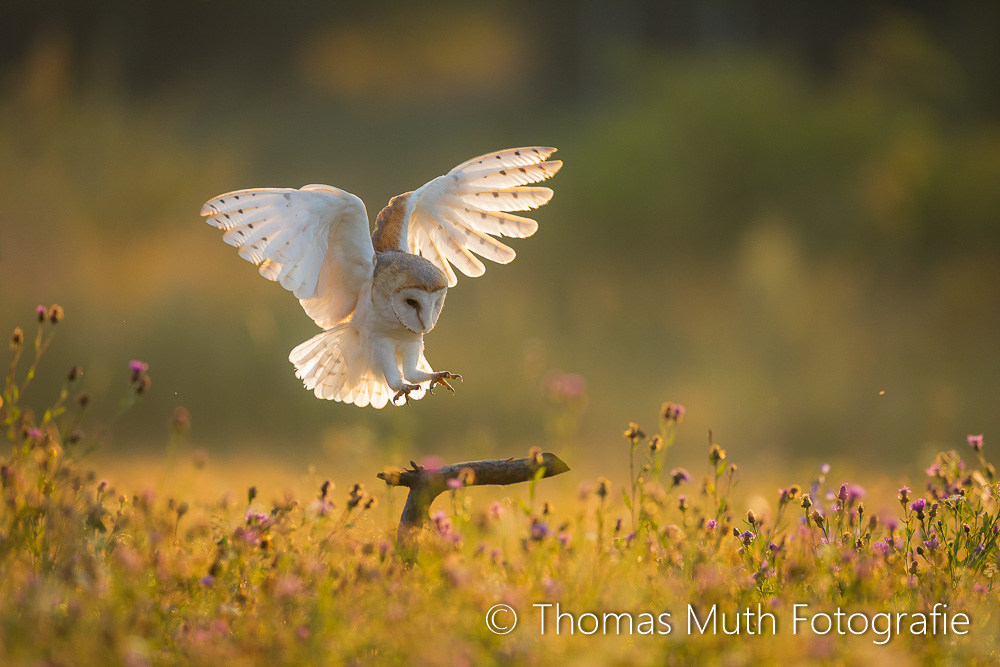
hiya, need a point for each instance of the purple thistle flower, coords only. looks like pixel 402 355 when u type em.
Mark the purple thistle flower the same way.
pixel 565 538
pixel 322 506
pixel 932 543
pixel 842 494
pixel 539 530
pixel 680 475
pixel 918 505
pixel 255 516
pixel 137 366
pixel 36 434
pixel 711 524
pixel 855 492
pixel 746 538
pixel 975 441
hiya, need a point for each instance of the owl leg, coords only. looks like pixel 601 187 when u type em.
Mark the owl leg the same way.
pixel 442 378
pixel 385 358
pixel 404 391
pixel 412 358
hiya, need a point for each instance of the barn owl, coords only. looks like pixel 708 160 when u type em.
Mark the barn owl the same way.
pixel 375 294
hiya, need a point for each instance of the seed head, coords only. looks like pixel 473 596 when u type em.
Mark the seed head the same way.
pixel 356 495
pixel 56 313
pixel 467 476
pixel 74 373
pixel 975 441
pixel 807 501
pixel 42 312
pixel 603 486
pixel 716 454
pixel 633 433
pixel 535 454
pixel 655 443
pixel 16 338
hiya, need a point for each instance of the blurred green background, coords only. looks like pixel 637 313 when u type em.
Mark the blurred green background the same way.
pixel 782 215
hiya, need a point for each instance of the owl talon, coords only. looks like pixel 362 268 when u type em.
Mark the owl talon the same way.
pixel 404 391
pixel 442 378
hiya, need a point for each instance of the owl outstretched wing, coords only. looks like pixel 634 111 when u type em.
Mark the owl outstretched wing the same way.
pixel 315 242
pixel 455 217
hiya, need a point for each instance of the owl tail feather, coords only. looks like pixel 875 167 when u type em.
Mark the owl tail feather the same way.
pixel 336 365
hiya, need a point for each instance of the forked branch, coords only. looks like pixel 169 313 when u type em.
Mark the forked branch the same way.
pixel 426 484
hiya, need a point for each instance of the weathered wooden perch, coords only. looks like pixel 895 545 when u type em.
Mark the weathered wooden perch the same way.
pixel 426 484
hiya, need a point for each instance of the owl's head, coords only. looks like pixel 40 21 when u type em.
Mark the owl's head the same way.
pixel 417 309
pixel 415 289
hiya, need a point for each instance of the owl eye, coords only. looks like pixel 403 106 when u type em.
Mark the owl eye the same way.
pixel 412 303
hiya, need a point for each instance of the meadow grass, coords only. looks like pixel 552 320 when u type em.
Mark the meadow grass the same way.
pixel 663 567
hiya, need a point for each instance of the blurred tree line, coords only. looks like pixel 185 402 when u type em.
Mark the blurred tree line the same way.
pixel 770 211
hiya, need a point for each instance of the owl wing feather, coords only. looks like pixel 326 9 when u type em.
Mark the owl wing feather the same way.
pixel 457 216
pixel 314 241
